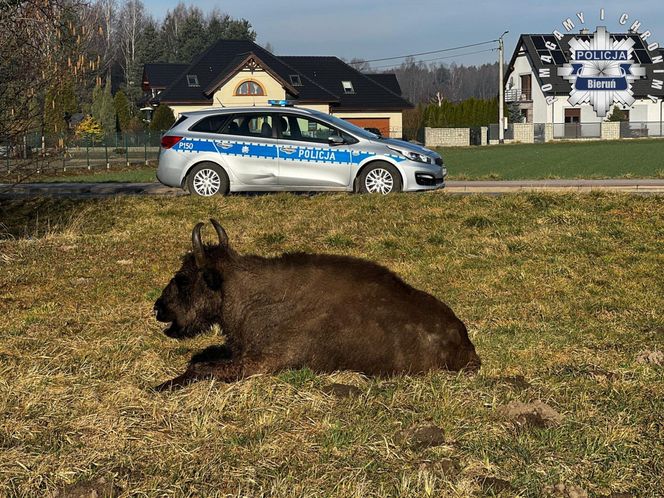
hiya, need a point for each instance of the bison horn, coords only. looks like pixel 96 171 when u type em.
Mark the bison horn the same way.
pixel 223 237
pixel 199 252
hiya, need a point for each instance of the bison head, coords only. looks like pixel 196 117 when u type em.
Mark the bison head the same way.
pixel 192 300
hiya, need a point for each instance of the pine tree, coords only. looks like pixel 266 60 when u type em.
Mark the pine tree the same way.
pixel 122 110
pixel 192 37
pixel 107 110
pixel 617 115
pixel 162 119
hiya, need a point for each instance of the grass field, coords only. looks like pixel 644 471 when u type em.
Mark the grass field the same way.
pixel 561 294
pixel 617 159
pixel 621 159
pixel 133 174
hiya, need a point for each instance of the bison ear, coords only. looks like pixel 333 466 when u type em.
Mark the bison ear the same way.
pixel 212 278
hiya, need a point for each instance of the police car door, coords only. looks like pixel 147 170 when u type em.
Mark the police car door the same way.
pixel 306 157
pixel 248 145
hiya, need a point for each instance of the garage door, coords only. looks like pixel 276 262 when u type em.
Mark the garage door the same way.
pixel 382 124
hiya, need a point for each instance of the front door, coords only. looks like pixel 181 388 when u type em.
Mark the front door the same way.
pixel 248 145
pixel 306 158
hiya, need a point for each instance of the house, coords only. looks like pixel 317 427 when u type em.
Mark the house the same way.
pixel 241 73
pixel 565 80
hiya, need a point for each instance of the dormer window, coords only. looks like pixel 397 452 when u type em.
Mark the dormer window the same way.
pixel 192 80
pixel 295 80
pixel 348 86
pixel 249 88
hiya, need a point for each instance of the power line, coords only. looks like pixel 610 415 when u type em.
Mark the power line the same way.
pixel 426 53
pixel 441 58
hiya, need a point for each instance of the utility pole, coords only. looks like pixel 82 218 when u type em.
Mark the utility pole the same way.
pixel 501 94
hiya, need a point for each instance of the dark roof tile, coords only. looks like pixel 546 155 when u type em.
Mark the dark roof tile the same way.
pixel 388 80
pixel 330 71
pixel 161 74
pixel 320 78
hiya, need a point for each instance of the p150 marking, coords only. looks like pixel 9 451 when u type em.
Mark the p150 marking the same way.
pixel 186 145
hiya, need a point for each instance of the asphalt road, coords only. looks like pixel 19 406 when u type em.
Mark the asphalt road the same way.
pixel 643 186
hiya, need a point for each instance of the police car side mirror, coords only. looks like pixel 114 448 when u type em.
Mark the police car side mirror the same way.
pixel 336 140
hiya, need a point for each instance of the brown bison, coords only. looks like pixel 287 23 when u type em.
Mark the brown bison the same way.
pixel 299 310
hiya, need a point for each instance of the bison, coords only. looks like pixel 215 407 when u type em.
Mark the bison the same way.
pixel 319 311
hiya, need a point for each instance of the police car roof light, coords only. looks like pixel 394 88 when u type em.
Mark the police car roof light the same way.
pixel 281 103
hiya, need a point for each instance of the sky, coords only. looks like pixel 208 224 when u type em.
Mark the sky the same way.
pixel 372 29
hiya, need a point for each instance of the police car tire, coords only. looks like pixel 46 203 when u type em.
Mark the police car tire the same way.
pixel 376 167
pixel 224 183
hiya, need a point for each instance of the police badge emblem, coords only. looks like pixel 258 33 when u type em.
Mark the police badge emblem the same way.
pixel 602 71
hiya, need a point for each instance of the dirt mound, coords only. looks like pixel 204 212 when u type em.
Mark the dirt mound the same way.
pixel 419 438
pixel 536 414
pixel 493 484
pixel 650 358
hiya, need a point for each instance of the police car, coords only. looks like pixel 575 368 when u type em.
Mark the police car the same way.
pixel 284 148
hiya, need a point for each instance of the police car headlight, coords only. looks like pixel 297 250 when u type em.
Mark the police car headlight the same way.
pixel 413 156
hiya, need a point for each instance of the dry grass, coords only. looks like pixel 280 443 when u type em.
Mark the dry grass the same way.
pixel 562 290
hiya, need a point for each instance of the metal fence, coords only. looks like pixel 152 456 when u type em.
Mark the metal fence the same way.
pixel 494 132
pixel 43 153
pixel 571 131
pixel 641 129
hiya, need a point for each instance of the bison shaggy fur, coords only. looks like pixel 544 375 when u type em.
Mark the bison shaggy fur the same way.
pixel 320 311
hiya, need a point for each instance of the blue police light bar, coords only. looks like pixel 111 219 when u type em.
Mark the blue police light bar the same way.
pixel 281 103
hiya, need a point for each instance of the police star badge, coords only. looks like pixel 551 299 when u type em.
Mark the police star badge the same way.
pixel 602 71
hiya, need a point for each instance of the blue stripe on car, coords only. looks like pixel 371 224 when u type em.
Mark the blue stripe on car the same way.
pixel 267 151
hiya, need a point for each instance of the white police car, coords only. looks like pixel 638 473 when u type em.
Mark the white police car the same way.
pixel 287 148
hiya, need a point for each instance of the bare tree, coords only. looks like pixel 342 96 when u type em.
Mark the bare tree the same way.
pixel 360 65
pixel 129 26
pixel 106 13
pixel 43 51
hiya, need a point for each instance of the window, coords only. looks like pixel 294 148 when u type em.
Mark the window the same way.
pixel 192 80
pixel 526 87
pixel 250 125
pixel 249 88
pixel 307 130
pixel 210 124
pixel 348 86
pixel 295 80
pixel 572 116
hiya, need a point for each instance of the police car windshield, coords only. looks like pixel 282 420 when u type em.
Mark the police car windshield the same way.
pixel 351 128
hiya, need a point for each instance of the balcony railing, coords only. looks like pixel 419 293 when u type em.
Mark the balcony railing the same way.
pixel 518 95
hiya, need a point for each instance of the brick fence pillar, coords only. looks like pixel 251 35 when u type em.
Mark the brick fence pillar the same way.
pixel 610 130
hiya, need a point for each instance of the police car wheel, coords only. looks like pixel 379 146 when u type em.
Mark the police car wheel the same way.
pixel 381 178
pixel 206 180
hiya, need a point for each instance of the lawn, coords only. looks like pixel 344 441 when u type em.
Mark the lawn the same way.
pixel 135 174
pixel 561 295
pixel 617 159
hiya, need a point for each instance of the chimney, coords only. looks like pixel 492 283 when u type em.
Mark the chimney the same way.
pixel 585 31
